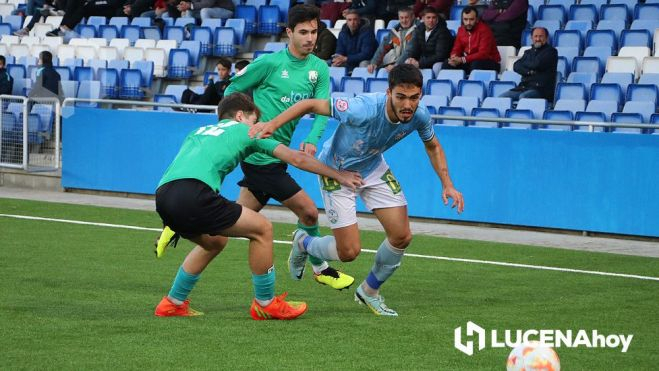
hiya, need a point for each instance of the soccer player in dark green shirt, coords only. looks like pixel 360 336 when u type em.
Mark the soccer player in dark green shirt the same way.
pixel 278 81
pixel 188 202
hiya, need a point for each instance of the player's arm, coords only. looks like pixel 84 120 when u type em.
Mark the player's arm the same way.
pixel 321 91
pixel 307 162
pixel 299 109
pixel 249 77
pixel 437 158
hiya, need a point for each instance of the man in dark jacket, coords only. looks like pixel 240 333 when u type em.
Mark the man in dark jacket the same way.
pixel 47 83
pixel 474 47
pixel 356 43
pixel 325 43
pixel 431 43
pixel 507 19
pixel 76 10
pixel 538 69
pixel 6 82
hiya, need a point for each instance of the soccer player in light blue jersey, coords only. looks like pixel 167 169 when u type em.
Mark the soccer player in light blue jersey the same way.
pixel 369 124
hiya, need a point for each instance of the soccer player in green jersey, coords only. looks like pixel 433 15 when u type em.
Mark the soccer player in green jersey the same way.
pixel 278 81
pixel 188 201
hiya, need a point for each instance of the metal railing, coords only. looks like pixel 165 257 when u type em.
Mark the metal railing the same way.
pixel 30 133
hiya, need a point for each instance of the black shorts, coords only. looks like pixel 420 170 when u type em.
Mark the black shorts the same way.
pixel 192 208
pixel 269 181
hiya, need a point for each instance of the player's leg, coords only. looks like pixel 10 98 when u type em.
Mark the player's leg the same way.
pixel 247 199
pixel 266 305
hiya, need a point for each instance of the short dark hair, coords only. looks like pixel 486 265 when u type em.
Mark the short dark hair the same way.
pixel 405 74
pixel 46 58
pixel 231 104
pixel 241 64
pixel 429 9
pixel 302 13
pixel 225 62
pixel 469 9
pixel 541 28
pixel 2 59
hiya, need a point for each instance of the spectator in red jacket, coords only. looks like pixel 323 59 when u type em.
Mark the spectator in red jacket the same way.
pixel 474 47
pixel 442 6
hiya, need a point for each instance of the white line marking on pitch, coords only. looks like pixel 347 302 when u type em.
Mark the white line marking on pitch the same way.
pixel 475 261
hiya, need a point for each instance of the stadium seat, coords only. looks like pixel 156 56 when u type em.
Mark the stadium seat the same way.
pixel 427 75
pixel 649 25
pixel 570 90
pixel 434 101
pixel 108 32
pixel 648 78
pixel 132 54
pixel 519 113
pixel 483 75
pixel 175 90
pixel 89 90
pixel 86 31
pixel 643 92
pixel 497 103
pixel 602 53
pixel 580 26
pixel 615 25
pixel 268 20
pixel 453 75
pixel 552 25
pixel 586 78
pixel 610 92
pixel 510 76
pixel 496 88
pixel 620 78
pixel 194 49
pixel 205 36
pixel 275 46
pixel 120 44
pixel 164 98
pixel 174 33
pixel 535 105
pixel 552 12
pixel 210 75
pixel 224 42
pixel 118 64
pixel 65 72
pixel 97 21
pixel 636 38
pixel 130 32
pixel 626 118
pixel 146 69
pixel 466 103
pixel 353 85
pixel 283 8
pixel 337 73
pixel 484 112
pixel 456 12
pixel 598 3
pixel 614 11
pixel 440 87
pixel 637 52
pixel 376 85
pixel 211 23
pixel 238 26
pixel 249 14
pixel 130 82
pixel 646 11
pixel 85 52
pixel 583 12
pixel 69 88
pixel 109 79
pixel 145 43
pixel 505 52
pixel 588 65
pixel 259 53
pixel 166 45
pixel 184 21
pixel 602 38
pixel 83 73
pixel 472 88
pixel 178 65
pixel 570 38
pixel 569 53
pixel 151 33
pixel 585 117
pixel 558 115
pixel 607 107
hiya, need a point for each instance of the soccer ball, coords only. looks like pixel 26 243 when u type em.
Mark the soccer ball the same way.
pixel 533 357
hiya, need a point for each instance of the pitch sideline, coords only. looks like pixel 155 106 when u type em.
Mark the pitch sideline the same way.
pixel 463 260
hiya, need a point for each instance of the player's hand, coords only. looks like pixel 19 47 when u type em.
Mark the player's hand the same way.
pixel 261 130
pixel 350 179
pixel 308 148
pixel 453 193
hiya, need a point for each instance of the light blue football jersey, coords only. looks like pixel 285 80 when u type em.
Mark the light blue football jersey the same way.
pixel 365 132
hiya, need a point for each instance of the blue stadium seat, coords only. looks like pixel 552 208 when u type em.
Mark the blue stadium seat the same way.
pixel 552 12
pixel 629 5
pixel 118 64
pixel 96 64
pixel 212 23
pixel 256 3
pixel 453 75
pixel 130 82
pixel 119 22
pixel 526 37
pixel 636 38
pixel 568 90
pixel 69 88
pixel 615 25
pixel 97 21
pixel 440 87
pixel 589 117
pixel 535 105
pixel 64 72
pixel 621 78
pixel 484 112
pixel 568 38
pixel 610 92
pixel 648 78
pixel 627 118
pixel 602 53
pixel 353 85
pixel 249 14
pixel 16 21
pixel 519 114
pixel 380 34
pixel 184 21
pixel 614 11
pixel 607 107
pixel 586 78
pixel 588 64
pixel 472 88
pixel 174 33
pixel 239 29
pixel 645 24
pixel 483 75
pixel 562 68
pixel 132 33
pixel 456 12
pixel 17 71
pixel 175 90
pixel 151 33
pixel 268 20
pixel 259 53
pixel 208 75
pixel 581 26
pixel 570 105
pixel 146 69
pixel 646 11
pixel 552 25
pixel 47 117
pixel 497 103
pixel 141 21
pixel 178 66
pixel 643 92
pixel 109 79
pixel 602 38
pixel 569 53
pixel 89 90
pixel 164 98
pixel 376 85
pixel 86 31
pixel 465 102
pixel 496 88
pixel 584 12
pixel 283 8
pixel 598 3
pixel 275 46
pixel 434 101
pixel 452 111
pixel 224 42
pixel 558 115
pixel 427 75
pixel 194 49
pixel 108 32
pixel 510 76
pixel 337 73
pixel 205 36
pixel 83 73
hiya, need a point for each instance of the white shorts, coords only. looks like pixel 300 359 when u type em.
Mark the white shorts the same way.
pixel 380 190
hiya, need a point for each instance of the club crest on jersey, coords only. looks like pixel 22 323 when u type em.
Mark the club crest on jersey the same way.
pixel 341 105
pixel 284 74
pixel 313 76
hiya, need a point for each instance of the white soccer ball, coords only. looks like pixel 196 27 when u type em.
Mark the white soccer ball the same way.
pixel 533 357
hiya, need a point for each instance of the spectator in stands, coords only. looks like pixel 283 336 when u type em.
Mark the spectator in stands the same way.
pixel 203 9
pixel 144 8
pixel 155 12
pixel 47 9
pixel 475 47
pixel 374 9
pixel 76 10
pixel 241 64
pixel 214 91
pixel 48 80
pixel 431 43
pixel 363 8
pixel 394 43
pixel 325 43
pixel 443 7
pixel 507 19
pixel 538 69
pixel 356 42
pixel 6 81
